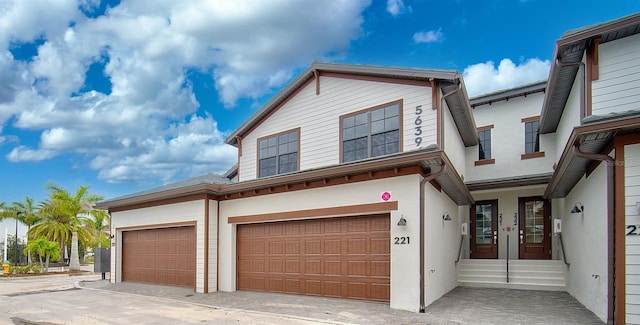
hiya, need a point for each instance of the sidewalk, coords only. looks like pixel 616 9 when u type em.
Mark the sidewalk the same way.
pixel 460 306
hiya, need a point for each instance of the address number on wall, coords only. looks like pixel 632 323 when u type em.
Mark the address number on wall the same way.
pixel 400 240
pixel 633 230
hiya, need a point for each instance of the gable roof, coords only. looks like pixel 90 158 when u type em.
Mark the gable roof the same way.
pixel 450 82
pixel 506 94
pixel 570 48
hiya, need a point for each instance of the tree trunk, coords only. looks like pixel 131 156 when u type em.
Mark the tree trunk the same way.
pixel 46 266
pixel 74 262
pixel 40 258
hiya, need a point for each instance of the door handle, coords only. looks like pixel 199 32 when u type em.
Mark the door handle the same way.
pixel 521 237
pixel 495 239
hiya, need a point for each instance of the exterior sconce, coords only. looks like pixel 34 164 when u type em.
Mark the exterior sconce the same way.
pixel 446 217
pixel 578 208
pixel 402 222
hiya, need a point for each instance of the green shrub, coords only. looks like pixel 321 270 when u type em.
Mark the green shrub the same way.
pixel 31 268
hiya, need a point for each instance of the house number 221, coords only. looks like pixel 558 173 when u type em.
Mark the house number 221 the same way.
pixel 401 240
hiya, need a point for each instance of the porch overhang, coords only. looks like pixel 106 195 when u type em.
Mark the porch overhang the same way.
pixel 594 136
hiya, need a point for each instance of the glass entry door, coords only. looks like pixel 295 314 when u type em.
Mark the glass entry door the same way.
pixel 535 228
pixel 484 229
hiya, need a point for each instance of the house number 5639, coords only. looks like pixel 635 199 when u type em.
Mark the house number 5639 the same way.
pixel 400 240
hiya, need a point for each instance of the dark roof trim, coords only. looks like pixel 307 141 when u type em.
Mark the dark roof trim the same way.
pixel 592 138
pixel 491 184
pixel 569 49
pixel 508 94
pixel 446 78
pixel 453 185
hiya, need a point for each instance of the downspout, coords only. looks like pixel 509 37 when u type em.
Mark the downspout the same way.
pixel 423 182
pixel 610 163
pixel 580 65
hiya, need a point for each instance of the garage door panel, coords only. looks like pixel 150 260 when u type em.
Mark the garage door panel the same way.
pixel 160 256
pixel 338 257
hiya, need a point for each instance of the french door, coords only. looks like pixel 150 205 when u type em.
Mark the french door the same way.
pixel 484 229
pixel 535 228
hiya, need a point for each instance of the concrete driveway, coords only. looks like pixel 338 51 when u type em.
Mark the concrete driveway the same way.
pixel 89 300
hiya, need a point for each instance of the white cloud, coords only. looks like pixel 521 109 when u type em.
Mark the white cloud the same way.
pixel 431 36
pixel 396 7
pixel 485 77
pixel 146 127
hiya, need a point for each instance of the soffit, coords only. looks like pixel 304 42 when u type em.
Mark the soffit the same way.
pixel 570 48
pixel 593 137
pixel 449 81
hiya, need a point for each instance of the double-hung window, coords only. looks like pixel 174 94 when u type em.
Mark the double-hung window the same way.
pixel 371 133
pixel 531 138
pixel 278 154
pixel 484 151
pixel 484 148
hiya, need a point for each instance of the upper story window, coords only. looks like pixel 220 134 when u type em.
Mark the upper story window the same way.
pixel 484 149
pixel 278 154
pixel 531 138
pixel 371 133
pixel 485 145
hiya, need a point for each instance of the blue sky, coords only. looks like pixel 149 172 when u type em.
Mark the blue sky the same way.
pixel 128 95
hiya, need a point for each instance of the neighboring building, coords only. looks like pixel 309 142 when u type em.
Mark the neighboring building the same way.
pixel 390 184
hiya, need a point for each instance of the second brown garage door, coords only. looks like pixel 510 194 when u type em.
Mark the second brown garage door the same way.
pixel 160 256
pixel 346 257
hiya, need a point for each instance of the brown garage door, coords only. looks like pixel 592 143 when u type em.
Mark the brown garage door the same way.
pixel 160 256
pixel 336 257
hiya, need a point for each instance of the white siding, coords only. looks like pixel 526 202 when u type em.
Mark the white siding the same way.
pixel 632 243
pixel 453 145
pixel 618 86
pixel 318 116
pixel 585 241
pixel 508 140
pixel 165 214
pixel 405 275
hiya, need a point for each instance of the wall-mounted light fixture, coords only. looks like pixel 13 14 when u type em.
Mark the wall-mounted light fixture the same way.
pixel 578 208
pixel 446 217
pixel 402 222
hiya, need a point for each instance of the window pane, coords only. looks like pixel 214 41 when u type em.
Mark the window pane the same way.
pixel 391 123
pixel 267 167
pixel 362 130
pixel 362 119
pixel 283 148
pixel 272 142
pixel 349 156
pixel 377 126
pixel 348 122
pixel 361 143
pixel 349 133
pixel 377 114
pixel 293 146
pixel 361 154
pixel 392 110
pixel 263 144
pixel 271 152
pixel 484 229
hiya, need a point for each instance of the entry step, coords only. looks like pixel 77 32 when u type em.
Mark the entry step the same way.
pixel 523 274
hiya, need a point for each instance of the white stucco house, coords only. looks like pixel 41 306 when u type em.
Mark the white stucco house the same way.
pixel 391 184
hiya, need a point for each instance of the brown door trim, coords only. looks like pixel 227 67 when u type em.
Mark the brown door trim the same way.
pixel 489 250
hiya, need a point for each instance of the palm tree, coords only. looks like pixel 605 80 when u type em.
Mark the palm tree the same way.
pixel 71 209
pixel 43 247
pixel 28 216
pixel 98 223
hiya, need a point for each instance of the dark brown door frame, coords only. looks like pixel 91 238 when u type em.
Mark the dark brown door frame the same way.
pixel 534 250
pixel 490 250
